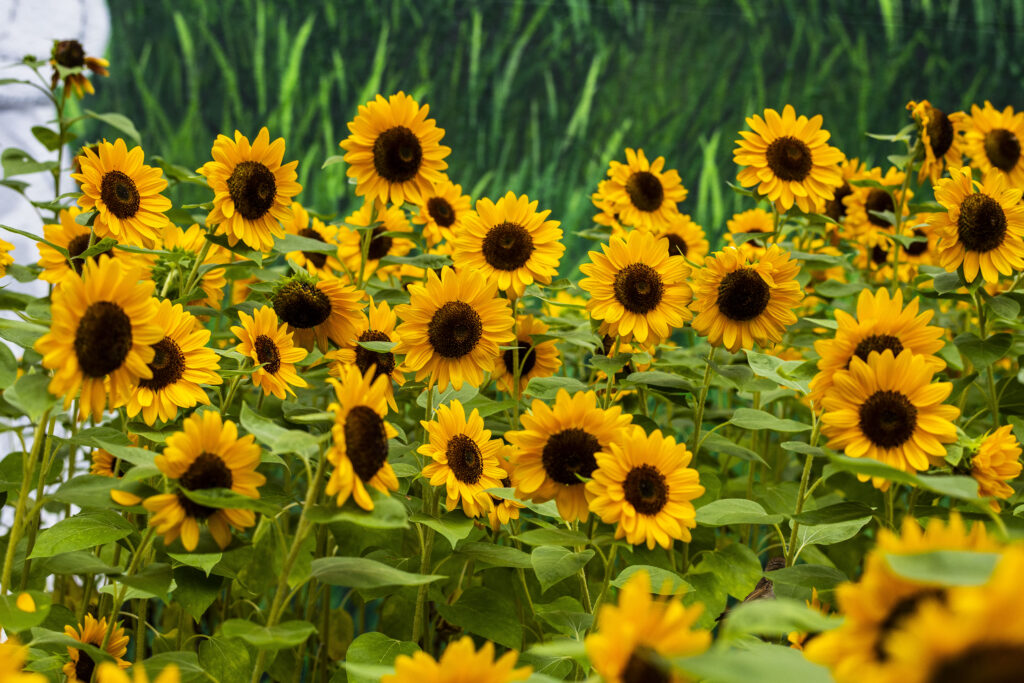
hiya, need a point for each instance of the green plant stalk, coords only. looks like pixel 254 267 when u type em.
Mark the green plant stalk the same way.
pixel 516 369
pixel 698 410
pixel 993 397
pixel 430 504
pixel 193 275
pixel 33 516
pixel 609 566
pixel 611 376
pixel 133 567
pixel 364 246
pixel 28 479
pixel 801 497
pixel 897 228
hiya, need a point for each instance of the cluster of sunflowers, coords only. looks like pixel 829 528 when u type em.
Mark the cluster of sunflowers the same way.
pixel 283 397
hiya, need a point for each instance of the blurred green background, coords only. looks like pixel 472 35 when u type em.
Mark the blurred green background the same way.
pixel 537 95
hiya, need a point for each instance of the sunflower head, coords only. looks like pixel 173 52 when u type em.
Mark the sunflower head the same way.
pixel 685 238
pixel 641 194
pixel 315 262
pixel 81 666
pixel 318 309
pixel 754 221
pixel 992 140
pixel 13 657
pixel 110 673
pixel 941 139
pixel 461 661
pixel 269 345
pixel 442 212
pixel 69 60
pixel 539 359
pixel 995 462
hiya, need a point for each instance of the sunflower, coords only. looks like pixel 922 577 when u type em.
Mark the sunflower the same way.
pixel 636 638
pixel 642 194
pixel 385 239
pixel 464 458
pixel 318 309
pixel 124 192
pixel 106 464
pixel 995 462
pixel 685 238
pixel 100 340
pixel 75 237
pixel 207 454
pixel 535 360
pixel 606 215
pixel 393 151
pixel 849 169
pixel 750 221
pixel 181 362
pixel 452 327
pixel 880 323
pixel 798 639
pixel 92 632
pixel 637 287
pixel 888 409
pixel 981 230
pixel 13 657
pixel 740 301
pixel 360 450
pixel 270 346
pixel 558 449
pixel 503 510
pixel 69 54
pixel 941 138
pixel 252 191
pixel 315 262
pixel 190 243
pixel 643 485
pixel 863 200
pixel 5 256
pixel 108 673
pixel 380 327
pixel 992 141
pixel 460 663
pixel 442 211
pixel 511 243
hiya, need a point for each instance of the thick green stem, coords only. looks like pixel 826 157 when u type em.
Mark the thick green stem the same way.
pixel 800 500
pixel 193 275
pixel 698 410
pixel 28 479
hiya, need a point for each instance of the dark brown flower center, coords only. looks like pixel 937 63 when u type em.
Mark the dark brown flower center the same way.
pixel 879 343
pixel 441 211
pixel 507 246
pixel 79 245
pixel 743 295
pixel 302 304
pixel 119 194
pixel 464 459
pixel 676 245
pixel 897 616
pixel 168 365
pixel 207 471
pixel 70 54
pixel 644 666
pixel 646 489
pixel 318 259
pixel 645 191
pixel 252 187
pixel 789 158
pixel 397 154
pixel 639 288
pixel 103 339
pixel 365 358
pixel 1002 148
pixel 527 359
pixel 267 354
pixel 380 244
pixel 981 663
pixel 917 248
pixel 505 483
pixel 940 132
pixel 982 223
pixel 568 453
pixel 455 329
pixel 834 208
pixel 84 667
pixel 879 255
pixel 878 200
pixel 366 441
pixel 888 419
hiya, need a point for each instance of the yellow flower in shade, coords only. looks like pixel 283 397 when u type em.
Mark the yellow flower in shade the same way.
pixel 92 632
pixel 636 638
pixel 442 212
pixel 741 300
pixel 100 340
pixel 13 657
pixel 464 458
pixel 862 200
pixel 637 288
pixel 207 454
pixel 750 221
pixel 642 485
pixel 384 239
pixel 181 362
pixel 360 451
pixel 124 192
pixel 393 150
pixel 940 136
pixel 191 241
pixel 642 194
pixel 992 141
pixel 888 409
pixel 5 256
pixel 881 322
pixel 535 360
pixel 75 238
pixel 252 190
pixel 849 169
pixel 380 327
pixel 461 662
pixel 685 238
pixel 996 462
pixel 981 230
pixel 108 673
pixel 503 510
pixel 269 344
pixel 787 159
pixel 797 639
pixel 324 264
pixel 319 309
pixel 452 328
pixel 558 449
pixel 510 242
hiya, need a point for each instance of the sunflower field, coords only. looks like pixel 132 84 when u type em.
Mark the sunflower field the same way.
pixel 419 440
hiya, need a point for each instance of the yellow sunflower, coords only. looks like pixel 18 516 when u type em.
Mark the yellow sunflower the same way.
pixel 108 673
pixel 13 657
pixel 318 309
pixel 75 238
pixel 503 510
pixel 535 360
pixel 862 200
pixel 385 239
pixel 252 191
pixel 106 464
pixel 380 327
pixel 849 169
pixel 558 449
pixel 996 462
pixel 640 193
pixel 5 256
pixel 461 662
pixel 980 230
pixel 750 221
pixel 191 242
pixel 207 454
pixel 270 346
pixel 644 487
pixel 393 150
pixel 636 638
pixel 510 242
pixel 101 337
pixel 124 192
pixel 442 211
pixel 941 138
pixel 741 300
pixel 70 54
pixel 360 450
pixel 685 238
pixel 92 632
pixel 452 328
pixel 606 215
pixel 992 141
pixel 315 262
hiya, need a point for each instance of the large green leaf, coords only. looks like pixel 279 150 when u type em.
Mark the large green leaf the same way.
pixel 284 635
pixel 554 563
pixel 663 582
pixel 374 649
pixel 726 511
pixel 748 418
pixel 487 613
pixel 84 530
pixel 362 572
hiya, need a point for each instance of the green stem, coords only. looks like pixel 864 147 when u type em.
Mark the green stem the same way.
pixel 430 505
pixel 133 567
pixel 516 369
pixel 28 479
pixel 993 397
pixel 193 275
pixel 800 499
pixel 698 410
pixel 897 227
pixel 611 375
pixel 609 567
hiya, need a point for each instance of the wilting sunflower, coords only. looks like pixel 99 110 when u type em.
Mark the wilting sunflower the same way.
pixel 70 54
pixel 92 632
pixel 385 239
pixel 109 673
pixel 252 191
pixel 636 638
pixel 535 360
pixel 124 192
pixel 452 328
pixel 323 264
pixel 981 230
pixel 207 454
pixel 880 323
pixel 741 301
pixel 190 243
pixel 503 510
pixel 101 337
pixel 380 327
pixel 461 662
pixel 642 485
pixel 941 138
pixel 393 151
pixel 464 458
pixel 887 408
pixel 318 309
pixel 750 221
pixel 637 288
pixel 640 193
pixel 510 242
pixel 558 449
pixel 685 238
pixel 442 211
pixel 181 362
pixel 13 657
pixel 992 141
pixel 995 462
pixel 863 200
pixel 849 169
pixel 269 344
pixel 360 451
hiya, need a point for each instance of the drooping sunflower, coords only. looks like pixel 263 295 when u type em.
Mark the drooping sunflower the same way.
pixel 385 239
pixel 323 264
pixel 393 150
pixel 109 673
pixel 101 337
pixel 379 327
pixel 461 662
pixel 252 190
pixel 13 657
pixel 360 432
pixel 270 345
pixel 941 138
pixel 992 141
pixel 642 485
pixel 70 54
pixel 981 230
pixel 510 242
pixel 685 238
pixel 862 200
pixel 887 408
pixel 464 458
pixel 80 668
pixel 849 169
pixel 452 327
pixel 503 510
pixel 442 212
pixel 636 638
pixel 535 360
pixel 750 221
pixel 741 301
pixel 318 309
pixel 207 454
pixel 637 287
pixel 124 192
pixel 191 242
pixel 995 462
pixel 559 445
pixel 640 193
